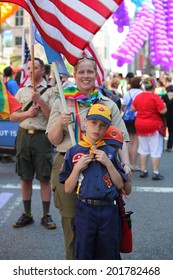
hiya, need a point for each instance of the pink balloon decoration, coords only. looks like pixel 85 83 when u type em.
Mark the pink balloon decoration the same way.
pixel 121 17
pixel 137 36
pixel 155 24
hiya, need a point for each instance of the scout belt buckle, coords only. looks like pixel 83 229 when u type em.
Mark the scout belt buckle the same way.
pixel 31 131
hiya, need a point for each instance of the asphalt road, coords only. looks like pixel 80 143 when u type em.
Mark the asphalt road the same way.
pixel 152 222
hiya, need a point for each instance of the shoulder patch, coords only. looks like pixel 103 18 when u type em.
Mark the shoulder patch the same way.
pixel 76 157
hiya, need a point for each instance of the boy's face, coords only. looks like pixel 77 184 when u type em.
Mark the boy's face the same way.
pixel 95 129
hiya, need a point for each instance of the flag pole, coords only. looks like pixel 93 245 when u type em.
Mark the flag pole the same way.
pixel 32 55
pixel 64 105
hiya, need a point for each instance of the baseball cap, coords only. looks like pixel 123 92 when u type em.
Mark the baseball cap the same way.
pixel 113 136
pixel 101 112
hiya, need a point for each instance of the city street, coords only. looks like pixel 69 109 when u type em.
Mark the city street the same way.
pixel 151 202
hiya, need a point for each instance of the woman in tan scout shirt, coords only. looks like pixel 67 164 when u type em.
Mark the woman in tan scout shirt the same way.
pixel 78 99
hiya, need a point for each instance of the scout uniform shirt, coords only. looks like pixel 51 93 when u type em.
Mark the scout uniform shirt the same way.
pixel 94 181
pixel 24 96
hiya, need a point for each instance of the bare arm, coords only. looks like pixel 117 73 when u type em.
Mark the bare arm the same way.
pixel 20 116
pixel 162 112
pixel 132 108
pixel 124 156
pixel 55 133
pixel 128 186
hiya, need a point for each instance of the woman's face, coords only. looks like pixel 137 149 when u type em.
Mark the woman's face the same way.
pixel 85 76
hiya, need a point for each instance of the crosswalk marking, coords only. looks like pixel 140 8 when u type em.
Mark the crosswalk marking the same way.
pixel 10 209
pixel 153 189
pixel 134 188
pixel 4 197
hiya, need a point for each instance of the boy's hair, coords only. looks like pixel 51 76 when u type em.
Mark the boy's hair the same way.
pixel 101 112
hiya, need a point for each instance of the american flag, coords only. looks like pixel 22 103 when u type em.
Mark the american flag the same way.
pixel 91 50
pixel 25 56
pixel 68 26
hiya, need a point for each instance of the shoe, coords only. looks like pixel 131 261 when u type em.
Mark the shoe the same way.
pixel 168 150
pixel 157 177
pixel 48 222
pixel 143 174
pixel 23 221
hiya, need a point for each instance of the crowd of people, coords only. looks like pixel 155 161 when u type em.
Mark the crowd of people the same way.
pixel 86 178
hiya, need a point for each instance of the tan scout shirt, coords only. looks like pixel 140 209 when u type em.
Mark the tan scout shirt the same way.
pixel 24 97
pixel 57 109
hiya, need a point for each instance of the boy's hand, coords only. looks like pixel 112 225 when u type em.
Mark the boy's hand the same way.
pixel 101 157
pixel 83 162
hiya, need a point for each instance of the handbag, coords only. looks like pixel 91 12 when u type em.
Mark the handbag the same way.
pixel 126 229
pixel 128 115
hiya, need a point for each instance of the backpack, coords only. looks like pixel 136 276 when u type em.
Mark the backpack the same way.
pixel 111 95
pixel 128 115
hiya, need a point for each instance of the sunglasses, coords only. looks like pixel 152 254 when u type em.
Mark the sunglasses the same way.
pixel 87 57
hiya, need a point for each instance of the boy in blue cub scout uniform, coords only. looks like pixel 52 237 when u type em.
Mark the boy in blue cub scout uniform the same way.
pixel 92 169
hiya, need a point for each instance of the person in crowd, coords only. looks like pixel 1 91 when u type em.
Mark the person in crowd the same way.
pixel 12 87
pixel 160 88
pixel 122 85
pixel 10 83
pixel 135 89
pixel 150 127
pixel 115 82
pixel 94 240
pixel 78 98
pixel 47 73
pixel 64 78
pixel 17 77
pixel 33 148
pixel 168 99
pixel 129 77
pixel 166 79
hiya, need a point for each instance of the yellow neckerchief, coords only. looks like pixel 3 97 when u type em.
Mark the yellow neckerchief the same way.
pixel 86 143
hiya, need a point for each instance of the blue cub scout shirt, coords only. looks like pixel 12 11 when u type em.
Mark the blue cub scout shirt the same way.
pixel 95 180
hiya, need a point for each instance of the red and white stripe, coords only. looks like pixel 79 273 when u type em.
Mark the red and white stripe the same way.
pixel 68 26
pixel 91 50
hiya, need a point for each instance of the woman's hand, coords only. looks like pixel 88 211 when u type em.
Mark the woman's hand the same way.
pixel 66 118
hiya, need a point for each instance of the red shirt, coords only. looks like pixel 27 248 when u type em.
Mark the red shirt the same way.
pixel 148 119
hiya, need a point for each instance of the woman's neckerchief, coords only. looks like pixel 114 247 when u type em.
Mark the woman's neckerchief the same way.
pixel 74 94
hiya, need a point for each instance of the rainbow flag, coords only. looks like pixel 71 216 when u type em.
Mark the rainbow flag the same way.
pixel 8 103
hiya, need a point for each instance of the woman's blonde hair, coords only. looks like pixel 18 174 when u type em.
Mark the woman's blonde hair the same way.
pixel 80 59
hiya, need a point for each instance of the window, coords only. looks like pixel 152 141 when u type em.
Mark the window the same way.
pixel 19 17
pixel 18 41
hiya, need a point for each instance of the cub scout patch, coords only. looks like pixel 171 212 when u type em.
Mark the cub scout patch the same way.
pixel 76 157
pixel 107 180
